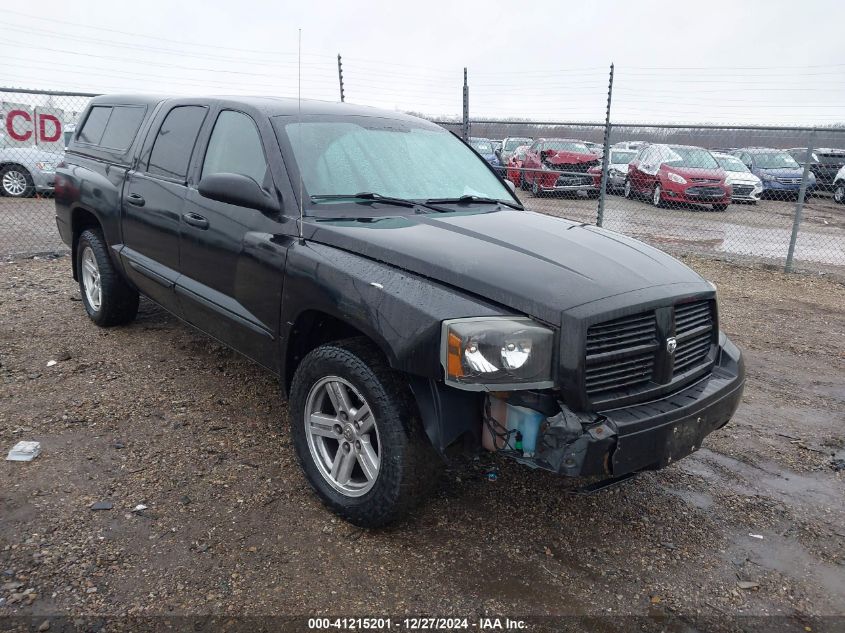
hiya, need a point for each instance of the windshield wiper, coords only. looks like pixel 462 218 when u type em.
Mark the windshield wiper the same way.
pixel 479 199
pixel 366 195
pixel 369 196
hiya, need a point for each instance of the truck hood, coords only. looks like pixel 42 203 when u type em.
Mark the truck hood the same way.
pixel 533 263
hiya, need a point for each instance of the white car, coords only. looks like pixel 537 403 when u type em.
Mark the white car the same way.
pixel 839 186
pixel 746 186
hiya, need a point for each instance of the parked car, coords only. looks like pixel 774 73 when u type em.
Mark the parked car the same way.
pixel 485 147
pixel 745 186
pixel 825 163
pixel 560 165
pixel 617 169
pixel 25 171
pixel 595 148
pixel 497 146
pixel 509 146
pixel 635 145
pixel 515 173
pixel 839 186
pixel 408 306
pixel 678 174
pixel 780 173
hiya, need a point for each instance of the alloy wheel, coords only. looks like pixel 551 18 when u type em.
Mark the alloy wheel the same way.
pixel 91 279
pixel 14 183
pixel 839 194
pixel 342 436
pixel 655 196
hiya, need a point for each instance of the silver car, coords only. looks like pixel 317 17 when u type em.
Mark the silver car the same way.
pixel 25 171
pixel 617 168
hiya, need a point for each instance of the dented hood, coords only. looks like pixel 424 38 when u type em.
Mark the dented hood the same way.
pixel 562 157
pixel 533 263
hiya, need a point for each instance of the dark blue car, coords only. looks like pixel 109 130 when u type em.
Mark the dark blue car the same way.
pixel 484 146
pixel 780 173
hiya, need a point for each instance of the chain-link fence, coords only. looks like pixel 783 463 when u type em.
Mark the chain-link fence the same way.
pixel 34 130
pixel 767 194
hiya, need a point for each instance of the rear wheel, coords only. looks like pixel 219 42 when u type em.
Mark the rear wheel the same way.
pixel 16 182
pixel 356 434
pixel 839 192
pixel 107 298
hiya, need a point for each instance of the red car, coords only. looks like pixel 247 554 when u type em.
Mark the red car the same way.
pixel 678 173
pixel 559 164
pixel 515 166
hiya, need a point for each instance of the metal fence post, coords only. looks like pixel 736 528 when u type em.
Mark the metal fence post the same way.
pixel 465 125
pixel 799 205
pixel 340 77
pixel 606 157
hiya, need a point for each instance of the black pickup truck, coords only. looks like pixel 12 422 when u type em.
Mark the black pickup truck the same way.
pixel 407 302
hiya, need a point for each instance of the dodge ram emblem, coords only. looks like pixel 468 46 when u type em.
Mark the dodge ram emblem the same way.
pixel 671 344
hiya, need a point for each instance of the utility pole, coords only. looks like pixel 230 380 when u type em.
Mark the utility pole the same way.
pixel 340 77
pixel 799 206
pixel 605 161
pixel 465 126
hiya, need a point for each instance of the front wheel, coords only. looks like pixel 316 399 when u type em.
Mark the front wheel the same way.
pixel 523 184
pixel 107 298
pixel 535 188
pixel 657 196
pixel 839 193
pixel 629 190
pixel 356 435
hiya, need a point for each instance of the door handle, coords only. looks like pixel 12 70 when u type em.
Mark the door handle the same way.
pixel 137 200
pixel 195 219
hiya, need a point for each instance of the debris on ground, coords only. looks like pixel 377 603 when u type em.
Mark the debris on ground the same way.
pixel 102 505
pixel 24 452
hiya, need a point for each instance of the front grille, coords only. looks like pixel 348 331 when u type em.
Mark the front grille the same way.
pixel 573 181
pixel 620 354
pixel 694 333
pixel 743 190
pixel 705 192
pixel 704 180
pixel 789 181
pixel 632 355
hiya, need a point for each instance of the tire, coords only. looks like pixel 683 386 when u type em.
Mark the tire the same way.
pixel 402 463
pixel 535 188
pixel 720 207
pixel 629 190
pixel 593 195
pixel 523 184
pixel 656 198
pixel 116 303
pixel 839 193
pixel 16 182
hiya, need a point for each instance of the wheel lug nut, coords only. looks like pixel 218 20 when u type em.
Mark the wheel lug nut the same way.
pixel 346 447
pixel 358 445
pixel 337 429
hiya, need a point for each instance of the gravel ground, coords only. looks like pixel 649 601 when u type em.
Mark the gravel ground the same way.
pixel 156 414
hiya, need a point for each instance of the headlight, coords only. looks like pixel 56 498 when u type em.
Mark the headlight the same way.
pixel 676 178
pixel 497 353
pixel 615 172
pixel 49 167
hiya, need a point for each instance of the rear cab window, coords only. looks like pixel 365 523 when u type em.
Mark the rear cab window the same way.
pixel 108 131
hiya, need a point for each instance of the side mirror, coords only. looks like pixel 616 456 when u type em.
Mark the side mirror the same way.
pixel 239 190
pixel 510 185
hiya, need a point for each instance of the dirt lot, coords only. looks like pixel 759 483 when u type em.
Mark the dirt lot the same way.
pixel 156 414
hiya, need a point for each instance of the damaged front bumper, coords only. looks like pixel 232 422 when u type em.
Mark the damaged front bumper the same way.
pixel 645 436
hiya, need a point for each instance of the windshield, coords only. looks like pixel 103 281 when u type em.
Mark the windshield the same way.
pixel 390 157
pixel 618 157
pixel 774 160
pixel 568 146
pixel 692 157
pixel 482 146
pixel 730 163
pixel 513 143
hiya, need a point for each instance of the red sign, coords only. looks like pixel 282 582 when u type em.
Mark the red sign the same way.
pixel 25 126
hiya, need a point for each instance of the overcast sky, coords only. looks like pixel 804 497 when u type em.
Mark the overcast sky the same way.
pixel 716 61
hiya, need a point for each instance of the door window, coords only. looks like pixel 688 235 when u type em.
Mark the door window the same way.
pixel 175 142
pixel 235 148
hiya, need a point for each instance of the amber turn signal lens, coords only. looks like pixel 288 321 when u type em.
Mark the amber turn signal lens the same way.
pixel 454 365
